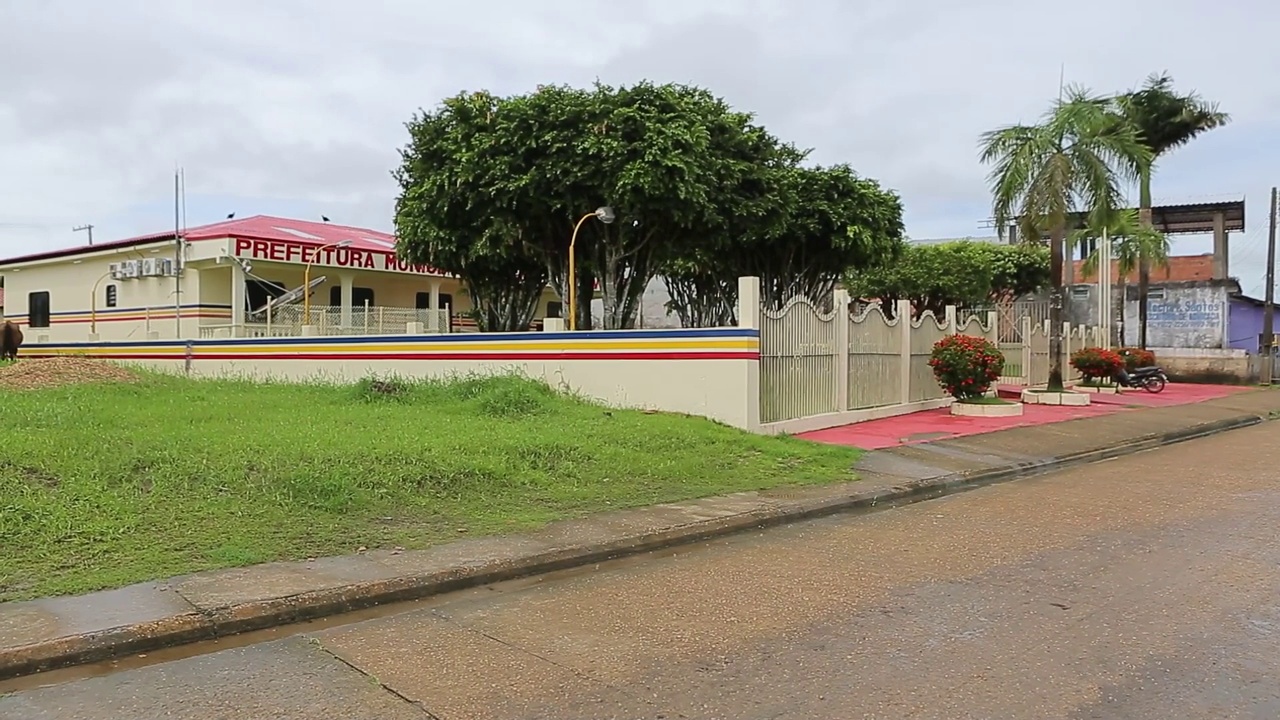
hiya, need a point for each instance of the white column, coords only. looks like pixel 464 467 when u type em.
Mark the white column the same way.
pixel 237 299
pixel 346 281
pixel 749 302
pixel 749 318
pixel 434 324
pixel 904 350
pixel 840 301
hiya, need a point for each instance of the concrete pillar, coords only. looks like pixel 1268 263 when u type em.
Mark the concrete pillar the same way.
pixel 237 295
pixel 1221 261
pixel 346 280
pixel 903 314
pixel 749 302
pixel 435 322
pixel 749 318
pixel 840 302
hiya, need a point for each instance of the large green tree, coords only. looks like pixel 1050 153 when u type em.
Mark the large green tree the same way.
pixel 806 230
pixel 1164 120
pixel 1074 159
pixel 508 179
pixel 446 214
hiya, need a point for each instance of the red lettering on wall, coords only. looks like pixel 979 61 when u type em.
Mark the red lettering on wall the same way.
pixel 294 252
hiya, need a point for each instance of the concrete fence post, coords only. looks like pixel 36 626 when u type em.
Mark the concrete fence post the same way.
pixel 1066 350
pixel 993 326
pixel 1025 331
pixel 749 302
pixel 904 348
pixel 749 319
pixel 951 318
pixel 840 306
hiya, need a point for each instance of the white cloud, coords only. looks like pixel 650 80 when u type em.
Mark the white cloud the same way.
pixel 297 107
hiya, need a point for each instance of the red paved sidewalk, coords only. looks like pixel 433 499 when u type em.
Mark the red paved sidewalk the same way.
pixel 940 424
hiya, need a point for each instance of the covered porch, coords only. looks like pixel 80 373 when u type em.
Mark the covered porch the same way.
pixel 267 300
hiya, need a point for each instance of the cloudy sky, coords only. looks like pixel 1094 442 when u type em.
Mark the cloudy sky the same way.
pixel 296 108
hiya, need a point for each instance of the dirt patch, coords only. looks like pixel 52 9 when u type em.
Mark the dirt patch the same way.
pixel 55 372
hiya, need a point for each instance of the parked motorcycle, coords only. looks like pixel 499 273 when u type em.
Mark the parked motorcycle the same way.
pixel 1151 379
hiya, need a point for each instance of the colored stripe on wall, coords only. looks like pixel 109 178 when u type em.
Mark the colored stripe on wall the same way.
pixel 134 314
pixel 719 344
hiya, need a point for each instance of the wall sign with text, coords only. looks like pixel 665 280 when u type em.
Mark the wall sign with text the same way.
pixel 339 257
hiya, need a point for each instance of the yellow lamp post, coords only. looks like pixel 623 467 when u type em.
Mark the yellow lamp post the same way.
pixel 93 303
pixel 306 279
pixel 603 214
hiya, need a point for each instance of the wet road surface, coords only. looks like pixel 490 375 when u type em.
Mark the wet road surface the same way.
pixel 1145 587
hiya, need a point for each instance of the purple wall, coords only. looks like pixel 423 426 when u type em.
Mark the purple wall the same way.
pixel 1244 324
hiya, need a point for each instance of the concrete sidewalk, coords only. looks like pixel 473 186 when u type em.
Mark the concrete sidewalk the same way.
pixel 55 632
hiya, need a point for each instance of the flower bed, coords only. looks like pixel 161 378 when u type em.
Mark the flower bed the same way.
pixel 1135 358
pixel 966 366
pixel 1095 363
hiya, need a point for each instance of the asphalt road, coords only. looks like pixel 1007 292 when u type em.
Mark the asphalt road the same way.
pixel 1146 587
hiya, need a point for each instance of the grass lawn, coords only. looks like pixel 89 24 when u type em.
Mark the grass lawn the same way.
pixel 102 485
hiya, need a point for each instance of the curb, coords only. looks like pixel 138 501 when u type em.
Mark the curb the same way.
pixel 198 625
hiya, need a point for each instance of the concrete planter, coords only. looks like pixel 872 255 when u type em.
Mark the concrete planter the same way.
pixel 1042 397
pixel 1011 409
pixel 1102 390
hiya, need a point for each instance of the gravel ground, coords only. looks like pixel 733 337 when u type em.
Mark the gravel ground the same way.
pixel 56 372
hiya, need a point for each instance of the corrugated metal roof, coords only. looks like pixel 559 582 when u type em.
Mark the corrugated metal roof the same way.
pixel 257 227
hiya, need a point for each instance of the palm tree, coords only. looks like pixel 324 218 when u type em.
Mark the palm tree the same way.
pixel 1130 241
pixel 1074 159
pixel 1165 121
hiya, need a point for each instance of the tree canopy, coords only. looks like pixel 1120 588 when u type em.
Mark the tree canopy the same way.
pixel 963 273
pixel 491 188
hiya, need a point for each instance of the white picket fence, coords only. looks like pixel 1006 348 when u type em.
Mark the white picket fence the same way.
pixel 819 369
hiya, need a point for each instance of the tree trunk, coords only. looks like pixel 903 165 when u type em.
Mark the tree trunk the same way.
pixel 1144 262
pixel 1056 241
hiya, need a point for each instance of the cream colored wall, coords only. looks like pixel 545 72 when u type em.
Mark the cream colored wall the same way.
pixel 724 390
pixel 142 304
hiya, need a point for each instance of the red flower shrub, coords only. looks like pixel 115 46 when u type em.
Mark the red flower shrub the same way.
pixel 966 366
pixel 1135 358
pixel 1096 363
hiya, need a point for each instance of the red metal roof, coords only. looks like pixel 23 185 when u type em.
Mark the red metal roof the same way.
pixel 257 227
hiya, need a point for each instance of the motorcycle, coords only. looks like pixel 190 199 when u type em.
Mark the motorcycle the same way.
pixel 1151 379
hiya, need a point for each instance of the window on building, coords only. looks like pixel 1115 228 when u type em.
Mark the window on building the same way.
pixel 422 301
pixel 1155 293
pixel 555 309
pixel 259 291
pixel 111 296
pixel 1080 291
pixel 38 309
pixel 358 296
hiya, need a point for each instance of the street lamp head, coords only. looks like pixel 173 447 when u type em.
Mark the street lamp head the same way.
pixel 605 214
pixel 343 243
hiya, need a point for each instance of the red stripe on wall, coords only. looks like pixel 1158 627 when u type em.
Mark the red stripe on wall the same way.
pixel 422 356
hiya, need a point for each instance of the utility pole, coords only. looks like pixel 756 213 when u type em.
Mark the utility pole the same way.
pixel 85 228
pixel 1269 308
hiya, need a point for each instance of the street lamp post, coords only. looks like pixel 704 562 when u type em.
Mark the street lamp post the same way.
pixel 306 279
pixel 605 215
pixel 93 303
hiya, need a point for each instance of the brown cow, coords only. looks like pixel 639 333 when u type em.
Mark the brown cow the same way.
pixel 10 340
